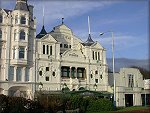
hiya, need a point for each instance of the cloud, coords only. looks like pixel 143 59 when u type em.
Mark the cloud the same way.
pixel 67 9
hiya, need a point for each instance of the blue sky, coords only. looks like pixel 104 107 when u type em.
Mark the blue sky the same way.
pixel 128 19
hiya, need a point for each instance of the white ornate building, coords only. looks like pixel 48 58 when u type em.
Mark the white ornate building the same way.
pixel 17 36
pixel 56 59
pixel 62 58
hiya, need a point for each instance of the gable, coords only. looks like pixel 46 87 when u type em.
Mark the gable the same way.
pixel 48 38
pixel 97 45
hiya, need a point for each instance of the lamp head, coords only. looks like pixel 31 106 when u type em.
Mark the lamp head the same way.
pixel 101 34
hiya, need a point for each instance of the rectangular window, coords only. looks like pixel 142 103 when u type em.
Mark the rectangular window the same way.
pixel 47 68
pixel 47 49
pixel 60 45
pixel 98 56
pixel 11 73
pixel 47 78
pixel 130 80
pixel 43 49
pixel 65 45
pixel 96 80
pixel 93 55
pixel 65 71
pixel 96 72
pixel 1 18
pixel 80 73
pixel 18 74
pixel 51 50
pixel 69 46
pixel 27 74
pixel 21 52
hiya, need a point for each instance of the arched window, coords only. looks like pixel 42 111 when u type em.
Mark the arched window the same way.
pixel 23 20
pixel 22 35
pixel 15 34
pixel 1 18
pixel 0 33
pixel 16 19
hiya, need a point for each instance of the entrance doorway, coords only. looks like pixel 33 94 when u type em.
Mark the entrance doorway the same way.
pixel 128 100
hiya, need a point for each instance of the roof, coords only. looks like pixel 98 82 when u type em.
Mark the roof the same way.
pixel 7 10
pixel 21 5
pixel 89 41
pixel 42 33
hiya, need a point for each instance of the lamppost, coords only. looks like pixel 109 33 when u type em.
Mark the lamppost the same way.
pixel 113 62
pixel 95 86
pixel 40 86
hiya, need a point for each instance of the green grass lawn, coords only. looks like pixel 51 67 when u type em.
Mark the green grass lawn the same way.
pixel 132 108
pixel 124 109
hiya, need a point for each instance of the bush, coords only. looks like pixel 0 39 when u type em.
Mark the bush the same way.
pixel 98 105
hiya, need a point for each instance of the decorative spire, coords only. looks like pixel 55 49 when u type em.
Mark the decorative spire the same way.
pixel 89 24
pixel 62 20
pixel 43 15
pixel 89 41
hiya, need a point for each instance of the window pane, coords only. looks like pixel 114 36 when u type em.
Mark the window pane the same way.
pixel 21 52
pixel 65 45
pixel 50 50
pixel 93 55
pixel 47 78
pixel 0 33
pixel 43 49
pixel 1 18
pixel 61 45
pixel 22 35
pixel 98 56
pixel 27 74
pixel 23 20
pixel 18 74
pixel 11 73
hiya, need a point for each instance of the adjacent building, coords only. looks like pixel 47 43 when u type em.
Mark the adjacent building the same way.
pixel 17 36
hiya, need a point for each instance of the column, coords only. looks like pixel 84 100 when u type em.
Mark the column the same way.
pixel 16 50
pixel 25 53
pixel 70 73
pixel 76 75
pixel 17 53
pixel 23 74
pixel 15 68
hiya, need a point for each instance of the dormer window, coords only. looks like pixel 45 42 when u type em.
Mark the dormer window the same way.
pixel 23 20
pixel 1 18
pixel 22 35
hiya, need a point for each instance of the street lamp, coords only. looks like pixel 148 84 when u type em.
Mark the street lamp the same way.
pixel 113 62
pixel 40 86
pixel 95 86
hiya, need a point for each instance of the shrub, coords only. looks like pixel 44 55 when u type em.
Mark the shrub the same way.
pixel 98 105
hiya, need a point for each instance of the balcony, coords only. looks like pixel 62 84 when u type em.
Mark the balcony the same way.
pixel 18 61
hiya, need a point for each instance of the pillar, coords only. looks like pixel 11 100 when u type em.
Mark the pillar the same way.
pixel 15 68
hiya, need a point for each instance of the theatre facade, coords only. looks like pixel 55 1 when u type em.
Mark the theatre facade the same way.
pixel 54 60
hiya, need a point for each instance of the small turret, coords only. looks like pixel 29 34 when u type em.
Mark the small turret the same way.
pixel 21 5
pixel 42 33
